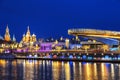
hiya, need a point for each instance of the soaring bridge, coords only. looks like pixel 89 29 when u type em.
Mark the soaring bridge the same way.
pixel 95 33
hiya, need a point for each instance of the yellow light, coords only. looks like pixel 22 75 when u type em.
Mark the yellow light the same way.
pixel 67 71
pixel 112 70
pixel 95 71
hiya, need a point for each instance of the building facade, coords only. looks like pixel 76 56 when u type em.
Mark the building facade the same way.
pixel 28 37
pixel 7 35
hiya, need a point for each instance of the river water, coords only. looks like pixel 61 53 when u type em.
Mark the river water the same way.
pixel 57 70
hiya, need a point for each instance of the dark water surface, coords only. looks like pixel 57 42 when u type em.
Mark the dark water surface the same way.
pixel 57 70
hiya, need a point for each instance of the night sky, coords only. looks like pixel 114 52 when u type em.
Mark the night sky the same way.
pixel 52 18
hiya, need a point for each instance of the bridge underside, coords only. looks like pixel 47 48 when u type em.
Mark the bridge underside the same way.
pixel 96 35
pixel 108 41
pixel 105 36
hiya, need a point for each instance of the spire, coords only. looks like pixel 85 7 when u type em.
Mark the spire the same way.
pixel 14 39
pixel 7 29
pixel 28 31
pixel 7 35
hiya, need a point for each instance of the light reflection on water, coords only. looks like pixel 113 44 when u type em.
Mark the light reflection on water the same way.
pixel 57 70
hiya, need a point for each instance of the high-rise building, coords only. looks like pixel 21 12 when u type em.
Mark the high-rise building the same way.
pixel 7 35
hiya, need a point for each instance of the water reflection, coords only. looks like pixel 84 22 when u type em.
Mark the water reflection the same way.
pixel 55 70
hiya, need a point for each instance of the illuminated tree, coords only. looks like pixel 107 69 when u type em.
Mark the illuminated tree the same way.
pixel 58 48
pixel 105 48
pixel 86 47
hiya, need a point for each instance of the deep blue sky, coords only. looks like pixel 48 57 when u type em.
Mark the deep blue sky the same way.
pixel 48 18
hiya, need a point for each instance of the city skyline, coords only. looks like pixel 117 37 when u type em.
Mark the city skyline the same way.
pixel 54 18
pixel 59 39
pixel 7 36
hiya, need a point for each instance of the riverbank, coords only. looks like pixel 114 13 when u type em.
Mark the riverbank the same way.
pixel 67 59
pixel 80 58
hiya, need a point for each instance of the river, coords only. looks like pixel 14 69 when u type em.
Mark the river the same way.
pixel 57 70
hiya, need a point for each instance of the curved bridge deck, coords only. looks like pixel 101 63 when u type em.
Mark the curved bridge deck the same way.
pixel 94 33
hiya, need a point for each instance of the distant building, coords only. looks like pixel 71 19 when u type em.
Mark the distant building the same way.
pixel 75 46
pixel 28 37
pixel 92 43
pixel 7 35
pixel 67 43
pixel 46 46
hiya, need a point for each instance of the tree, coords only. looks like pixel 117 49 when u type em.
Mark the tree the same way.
pixel 86 47
pixel 105 48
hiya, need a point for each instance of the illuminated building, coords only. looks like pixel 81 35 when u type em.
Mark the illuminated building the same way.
pixel 46 46
pixel 7 35
pixel 28 37
pixel 92 43
pixel 28 42
pixel 67 43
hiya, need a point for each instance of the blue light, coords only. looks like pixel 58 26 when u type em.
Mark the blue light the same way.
pixel 84 57
pixel 71 57
pixel 83 63
pixel 110 58
pixel 107 65
pixel 50 56
pixel 90 58
pixel 115 58
pixel 78 57
pixel 62 56
pixel 71 62
pixel 113 49
pixel 118 57
pixel 106 57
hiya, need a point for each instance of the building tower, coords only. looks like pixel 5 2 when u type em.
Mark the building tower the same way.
pixel 28 35
pixel 34 38
pixel 28 31
pixel 67 43
pixel 7 35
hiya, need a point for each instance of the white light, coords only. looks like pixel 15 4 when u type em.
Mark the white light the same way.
pixel 35 55
pixel 30 55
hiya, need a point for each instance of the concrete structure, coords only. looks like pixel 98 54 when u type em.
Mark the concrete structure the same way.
pixel 94 33
pixel 108 37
